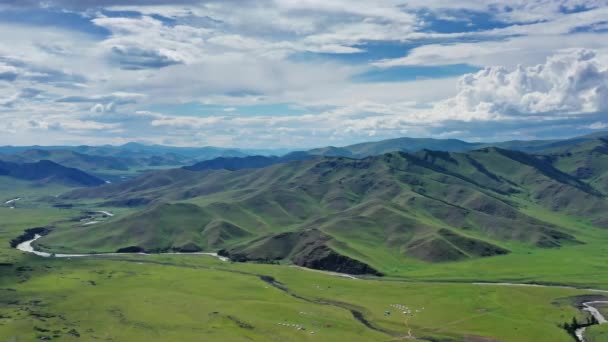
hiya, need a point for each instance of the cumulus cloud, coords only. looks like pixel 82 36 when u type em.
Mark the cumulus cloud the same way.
pixel 571 82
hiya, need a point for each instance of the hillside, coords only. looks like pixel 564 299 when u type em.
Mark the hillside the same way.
pixel 249 162
pixel 345 214
pixel 46 171
pixel 587 161
pixel 399 144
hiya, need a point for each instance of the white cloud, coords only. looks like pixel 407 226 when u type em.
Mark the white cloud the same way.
pixel 597 125
pixel 188 122
pixel 79 125
pixel 23 94
pixel 571 82
pixel 116 97
pixel 240 53
pixel 508 52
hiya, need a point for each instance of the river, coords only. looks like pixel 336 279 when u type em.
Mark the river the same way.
pixel 26 246
pixel 587 306
pixel 12 201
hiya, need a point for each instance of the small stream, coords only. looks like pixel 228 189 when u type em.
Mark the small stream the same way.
pixel 588 306
pixel 12 201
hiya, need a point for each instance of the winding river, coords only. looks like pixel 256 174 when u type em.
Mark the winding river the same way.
pixel 27 247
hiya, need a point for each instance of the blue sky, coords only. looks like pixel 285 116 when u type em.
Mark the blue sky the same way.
pixel 289 74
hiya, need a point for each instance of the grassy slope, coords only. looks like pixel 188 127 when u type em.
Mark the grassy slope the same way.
pixel 588 161
pixel 191 298
pixel 387 211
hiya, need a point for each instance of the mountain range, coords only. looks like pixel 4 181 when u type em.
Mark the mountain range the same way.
pixel 406 144
pixel 353 209
pixel 356 215
pixel 115 162
pixel 367 149
pixel 137 150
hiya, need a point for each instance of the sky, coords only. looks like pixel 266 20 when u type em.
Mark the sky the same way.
pixel 295 74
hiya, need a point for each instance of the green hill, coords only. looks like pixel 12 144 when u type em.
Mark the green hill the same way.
pixel 46 171
pixel 587 161
pixel 341 214
pixel 249 162
pixel 398 144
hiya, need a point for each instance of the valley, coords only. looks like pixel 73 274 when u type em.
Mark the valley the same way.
pixel 430 246
pixel 303 171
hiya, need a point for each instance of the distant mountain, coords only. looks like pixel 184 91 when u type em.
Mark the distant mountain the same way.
pixel 367 149
pixel 399 144
pixel 533 146
pixel 140 155
pixel 46 171
pixel 196 153
pixel 175 155
pixel 71 159
pixel 249 162
pixel 348 215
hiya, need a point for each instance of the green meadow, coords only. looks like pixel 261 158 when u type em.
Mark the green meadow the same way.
pixel 167 298
pixel 195 297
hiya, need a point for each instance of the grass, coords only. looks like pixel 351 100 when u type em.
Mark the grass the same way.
pixel 191 298
pixel 136 302
pixel 166 298
pixel 597 333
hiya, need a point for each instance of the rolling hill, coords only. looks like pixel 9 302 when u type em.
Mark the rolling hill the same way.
pixel 343 214
pixel 46 171
pixel 71 159
pixel 249 162
pixel 587 161
pixel 367 149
